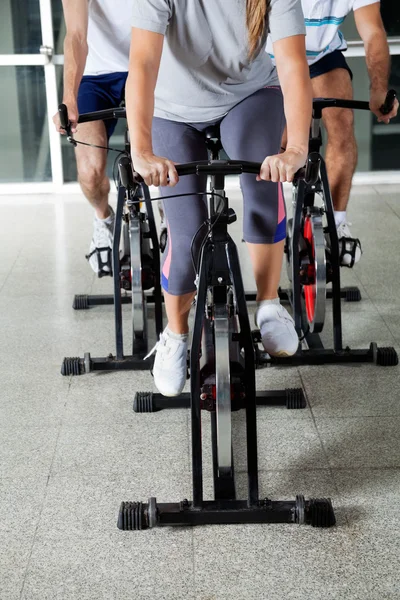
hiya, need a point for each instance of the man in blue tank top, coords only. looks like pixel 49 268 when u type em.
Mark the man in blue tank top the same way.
pixel 96 55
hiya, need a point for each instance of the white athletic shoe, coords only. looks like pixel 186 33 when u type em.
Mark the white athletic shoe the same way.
pixel 101 244
pixel 170 364
pixel 346 248
pixel 278 334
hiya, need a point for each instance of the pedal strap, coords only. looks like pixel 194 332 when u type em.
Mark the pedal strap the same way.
pixel 102 264
pixel 348 246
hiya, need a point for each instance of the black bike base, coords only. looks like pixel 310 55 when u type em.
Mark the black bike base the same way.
pixel 382 356
pixel 317 354
pixel 148 402
pixel 135 516
pixel 81 366
pixel 85 301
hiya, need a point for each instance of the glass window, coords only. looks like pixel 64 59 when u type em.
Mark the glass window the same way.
pixel 377 142
pixel 349 29
pixel 24 151
pixel 390 10
pixel 58 26
pixel 20 27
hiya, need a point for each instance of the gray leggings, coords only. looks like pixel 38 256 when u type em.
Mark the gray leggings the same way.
pixel 250 131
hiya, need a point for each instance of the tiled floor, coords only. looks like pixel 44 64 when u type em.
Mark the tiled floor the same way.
pixel 71 448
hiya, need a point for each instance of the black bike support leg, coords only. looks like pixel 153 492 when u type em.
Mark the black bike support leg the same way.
pixel 119 343
pixel 251 402
pixel 197 463
pixel 336 291
pixel 295 254
pixel 156 261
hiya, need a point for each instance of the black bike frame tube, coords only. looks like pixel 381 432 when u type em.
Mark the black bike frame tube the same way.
pixel 224 487
pixel 156 261
pixel 250 380
pixel 103 115
pixel 197 463
pixel 335 261
pixel 295 254
pixel 119 342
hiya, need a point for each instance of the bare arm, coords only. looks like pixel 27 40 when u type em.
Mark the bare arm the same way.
pixel 144 64
pixel 75 54
pixel 372 32
pixel 294 77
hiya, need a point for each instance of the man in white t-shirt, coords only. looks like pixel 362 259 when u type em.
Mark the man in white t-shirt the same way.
pixel 96 57
pixel 332 77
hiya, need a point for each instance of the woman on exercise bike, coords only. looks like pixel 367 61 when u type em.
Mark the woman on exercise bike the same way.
pixel 203 62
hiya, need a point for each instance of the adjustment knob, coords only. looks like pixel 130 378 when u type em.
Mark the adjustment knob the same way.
pixel 231 216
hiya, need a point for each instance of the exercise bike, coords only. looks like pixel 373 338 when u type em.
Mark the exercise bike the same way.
pixel 223 359
pixel 133 261
pixel 313 260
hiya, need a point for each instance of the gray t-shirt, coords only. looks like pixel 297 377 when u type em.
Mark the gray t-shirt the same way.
pixel 205 70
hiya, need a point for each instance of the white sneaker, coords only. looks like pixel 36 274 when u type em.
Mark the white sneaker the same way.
pixel 170 364
pixel 278 334
pixel 349 247
pixel 101 245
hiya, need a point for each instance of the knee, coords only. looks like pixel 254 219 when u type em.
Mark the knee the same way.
pixel 92 178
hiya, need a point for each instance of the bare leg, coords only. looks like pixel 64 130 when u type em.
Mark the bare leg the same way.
pixel 267 265
pixel 341 149
pixel 178 309
pixel 91 165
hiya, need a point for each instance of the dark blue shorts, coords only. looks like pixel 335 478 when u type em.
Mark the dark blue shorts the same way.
pixel 99 92
pixel 329 62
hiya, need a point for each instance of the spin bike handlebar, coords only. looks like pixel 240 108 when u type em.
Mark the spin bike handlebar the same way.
pixel 320 103
pixel 98 115
pixel 237 167
pixel 231 167
pixel 309 173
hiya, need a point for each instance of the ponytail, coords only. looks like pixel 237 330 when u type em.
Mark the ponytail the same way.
pixel 257 12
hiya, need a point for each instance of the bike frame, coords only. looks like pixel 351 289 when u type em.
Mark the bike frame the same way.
pixel 219 273
pixel 304 201
pixel 132 196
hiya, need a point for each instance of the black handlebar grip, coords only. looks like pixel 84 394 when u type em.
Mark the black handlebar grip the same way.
pixel 387 106
pixel 312 168
pixel 63 112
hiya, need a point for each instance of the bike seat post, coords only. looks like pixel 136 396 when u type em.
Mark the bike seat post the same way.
pixel 315 142
pixel 218 203
pixel 218 208
pixel 213 141
pixel 127 141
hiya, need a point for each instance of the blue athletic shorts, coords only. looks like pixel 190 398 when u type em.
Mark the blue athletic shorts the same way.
pixel 99 92
pixel 329 62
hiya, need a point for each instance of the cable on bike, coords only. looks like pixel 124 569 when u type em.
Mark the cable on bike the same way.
pixel 75 142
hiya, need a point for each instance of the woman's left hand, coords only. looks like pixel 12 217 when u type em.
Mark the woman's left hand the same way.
pixel 282 167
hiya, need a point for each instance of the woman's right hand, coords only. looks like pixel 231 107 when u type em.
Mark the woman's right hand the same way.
pixel 155 170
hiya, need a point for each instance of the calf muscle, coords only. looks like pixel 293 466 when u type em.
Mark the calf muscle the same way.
pixel 341 147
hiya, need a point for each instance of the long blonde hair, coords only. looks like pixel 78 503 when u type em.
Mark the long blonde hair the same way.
pixel 257 12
